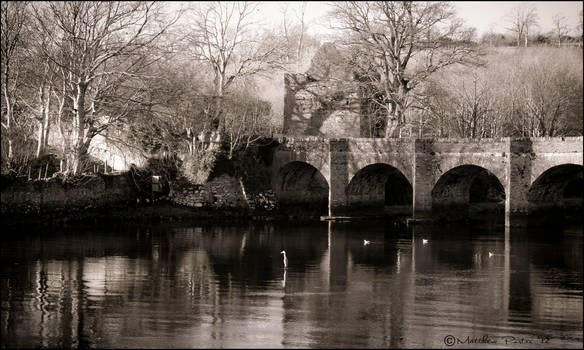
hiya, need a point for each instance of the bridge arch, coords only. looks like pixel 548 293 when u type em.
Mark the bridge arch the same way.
pixel 557 193
pixel 467 190
pixel 543 164
pixel 299 185
pixel 379 189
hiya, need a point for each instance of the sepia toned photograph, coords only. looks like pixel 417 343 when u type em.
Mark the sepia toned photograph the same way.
pixel 292 174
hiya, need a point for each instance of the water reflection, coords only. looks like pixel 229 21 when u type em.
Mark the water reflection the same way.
pixel 217 286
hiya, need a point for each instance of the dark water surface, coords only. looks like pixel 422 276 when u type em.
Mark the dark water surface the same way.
pixel 187 286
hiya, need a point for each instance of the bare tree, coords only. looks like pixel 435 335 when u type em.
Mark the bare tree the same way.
pixel 521 19
pixel 560 27
pixel 225 37
pixel 181 114
pixel 463 102
pixel 37 89
pixel 102 49
pixel 491 34
pixel 14 21
pixel 474 110
pixel 301 14
pixel 246 121
pixel 547 99
pixel 295 32
pixel 400 44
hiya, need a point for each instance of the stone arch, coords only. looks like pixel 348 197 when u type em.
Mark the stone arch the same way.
pixel 364 162
pixel 490 164
pixel 300 186
pixel 379 189
pixel 311 150
pixel 467 190
pixel 557 193
pixel 540 168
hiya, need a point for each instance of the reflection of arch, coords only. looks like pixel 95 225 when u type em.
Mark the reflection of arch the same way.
pixel 464 185
pixel 299 183
pixel 557 195
pixel 378 186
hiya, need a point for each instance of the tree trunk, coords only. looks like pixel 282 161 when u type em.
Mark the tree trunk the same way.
pixel 64 139
pixel 396 116
pixel 219 91
pixel 8 133
pixel 79 149
pixel 77 158
pixel 44 119
pixel 40 138
pixel 392 127
pixel 518 39
pixel 46 129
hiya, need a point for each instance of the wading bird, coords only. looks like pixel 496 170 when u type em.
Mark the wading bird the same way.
pixel 424 241
pixel 285 259
pixel 365 242
pixel 491 254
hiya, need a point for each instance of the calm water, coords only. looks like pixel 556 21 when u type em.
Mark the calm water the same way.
pixel 184 286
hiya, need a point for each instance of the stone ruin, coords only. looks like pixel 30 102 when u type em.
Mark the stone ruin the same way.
pixel 327 100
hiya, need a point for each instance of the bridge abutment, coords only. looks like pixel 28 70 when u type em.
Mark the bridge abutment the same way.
pixel 518 180
pixel 422 179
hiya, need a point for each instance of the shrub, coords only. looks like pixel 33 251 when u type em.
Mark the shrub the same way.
pixel 198 166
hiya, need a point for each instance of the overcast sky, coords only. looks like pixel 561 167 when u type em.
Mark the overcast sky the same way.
pixel 479 14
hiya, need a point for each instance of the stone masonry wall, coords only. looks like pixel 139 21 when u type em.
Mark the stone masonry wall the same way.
pixel 54 196
pixel 222 192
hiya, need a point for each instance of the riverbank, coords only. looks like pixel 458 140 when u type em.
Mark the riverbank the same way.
pixel 159 211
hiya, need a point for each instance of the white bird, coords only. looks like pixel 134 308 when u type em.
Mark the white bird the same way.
pixel 491 254
pixel 365 242
pixel 285 259
pixel 424 241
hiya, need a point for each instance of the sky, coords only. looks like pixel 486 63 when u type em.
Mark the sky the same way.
pixel 483 14
pixel 479 14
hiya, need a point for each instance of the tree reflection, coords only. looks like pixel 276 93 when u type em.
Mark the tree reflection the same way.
pixel 179 285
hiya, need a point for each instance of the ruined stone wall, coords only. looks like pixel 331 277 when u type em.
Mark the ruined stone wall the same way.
pixel 54 196
pixel 327 108
pixel 222 192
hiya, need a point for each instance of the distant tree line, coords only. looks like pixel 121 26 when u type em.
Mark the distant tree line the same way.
pixel 539 39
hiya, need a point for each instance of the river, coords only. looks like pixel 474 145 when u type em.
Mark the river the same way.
pixel 181 285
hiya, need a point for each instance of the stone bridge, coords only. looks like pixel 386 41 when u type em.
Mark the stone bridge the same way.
pixel 428 177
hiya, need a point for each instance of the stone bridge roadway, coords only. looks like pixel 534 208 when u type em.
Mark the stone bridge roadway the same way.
pixel 420 177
